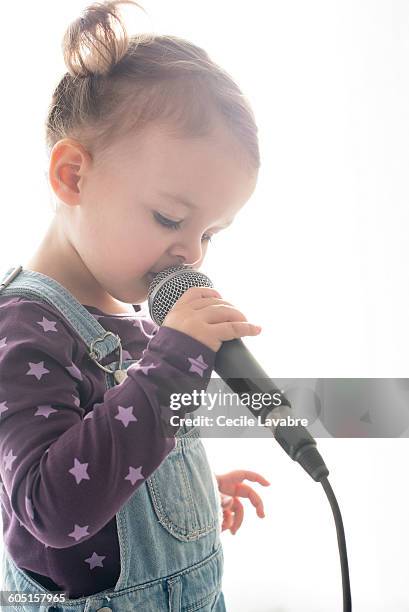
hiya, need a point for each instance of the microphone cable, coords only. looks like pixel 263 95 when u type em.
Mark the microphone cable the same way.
pixel 342 547
pixel 299 444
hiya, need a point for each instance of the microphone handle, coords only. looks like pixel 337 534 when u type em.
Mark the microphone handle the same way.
pixel 236 365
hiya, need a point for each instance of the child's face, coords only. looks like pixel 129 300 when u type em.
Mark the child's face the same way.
pixel 114 223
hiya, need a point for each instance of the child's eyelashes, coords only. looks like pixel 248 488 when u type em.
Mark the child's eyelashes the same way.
pixel 167 222
pixel 174 225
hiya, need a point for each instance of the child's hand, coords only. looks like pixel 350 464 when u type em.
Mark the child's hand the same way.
pixel 231 487
pixel 202 314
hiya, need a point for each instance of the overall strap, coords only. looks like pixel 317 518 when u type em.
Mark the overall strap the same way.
pixel 27 283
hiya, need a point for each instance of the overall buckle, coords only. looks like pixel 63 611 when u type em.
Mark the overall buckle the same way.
pixel 15 272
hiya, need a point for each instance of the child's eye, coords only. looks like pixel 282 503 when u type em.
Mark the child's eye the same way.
pixel 174 225
pixel 167 222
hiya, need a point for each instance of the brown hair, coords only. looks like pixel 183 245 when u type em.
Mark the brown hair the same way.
pixel 117 83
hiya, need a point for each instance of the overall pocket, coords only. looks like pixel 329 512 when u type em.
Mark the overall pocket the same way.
pixel 18 580
pixel 182 491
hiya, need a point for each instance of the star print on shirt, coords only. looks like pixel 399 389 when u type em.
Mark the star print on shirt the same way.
pixel 3 407
pixel 95 561
pixel 3 342
pixel 145 369
pixel 37 369
pixel 134 474
pixel 198 365
pixel 8 459
pixel 47 325
pixel 79 471
pixel 44 411
pixel 79 532
pixel 125 415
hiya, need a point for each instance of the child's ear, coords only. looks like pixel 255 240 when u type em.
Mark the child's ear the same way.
pixel 69 161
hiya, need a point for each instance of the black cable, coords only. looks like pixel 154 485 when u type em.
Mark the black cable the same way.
pixel 346 589
pixel 299 444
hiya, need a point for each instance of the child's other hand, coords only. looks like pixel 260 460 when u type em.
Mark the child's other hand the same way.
pixel 231 487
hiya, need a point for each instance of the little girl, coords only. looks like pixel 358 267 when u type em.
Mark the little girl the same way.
pixel 105 504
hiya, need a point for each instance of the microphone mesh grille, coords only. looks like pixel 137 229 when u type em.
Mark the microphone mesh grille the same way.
pixel 167 287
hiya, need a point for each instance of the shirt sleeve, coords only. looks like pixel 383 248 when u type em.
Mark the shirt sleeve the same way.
pixel 56 461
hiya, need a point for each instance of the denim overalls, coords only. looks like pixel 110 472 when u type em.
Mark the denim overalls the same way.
pixel 168 530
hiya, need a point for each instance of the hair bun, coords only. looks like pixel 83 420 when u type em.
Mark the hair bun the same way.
pixel 97 40
pixel 120 82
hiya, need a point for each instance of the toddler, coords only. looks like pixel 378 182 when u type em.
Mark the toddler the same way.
pixel 105 504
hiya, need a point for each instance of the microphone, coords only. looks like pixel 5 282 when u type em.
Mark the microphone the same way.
pixel 238 368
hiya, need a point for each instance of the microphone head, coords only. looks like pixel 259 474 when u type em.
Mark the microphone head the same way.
pixel 167 287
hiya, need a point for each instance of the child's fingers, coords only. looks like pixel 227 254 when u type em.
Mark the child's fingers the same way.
pixel 225 500
pixel 227 520
pixel 228 483
pixel 238 510
pixel 239 475
pixel 255 477
pixel 243 490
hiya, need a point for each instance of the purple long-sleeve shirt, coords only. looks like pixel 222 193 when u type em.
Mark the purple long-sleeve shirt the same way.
pixel 64 438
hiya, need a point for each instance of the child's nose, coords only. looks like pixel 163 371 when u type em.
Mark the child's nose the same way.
pixel 191 256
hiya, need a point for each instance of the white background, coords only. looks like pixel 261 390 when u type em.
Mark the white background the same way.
pixel 318 257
